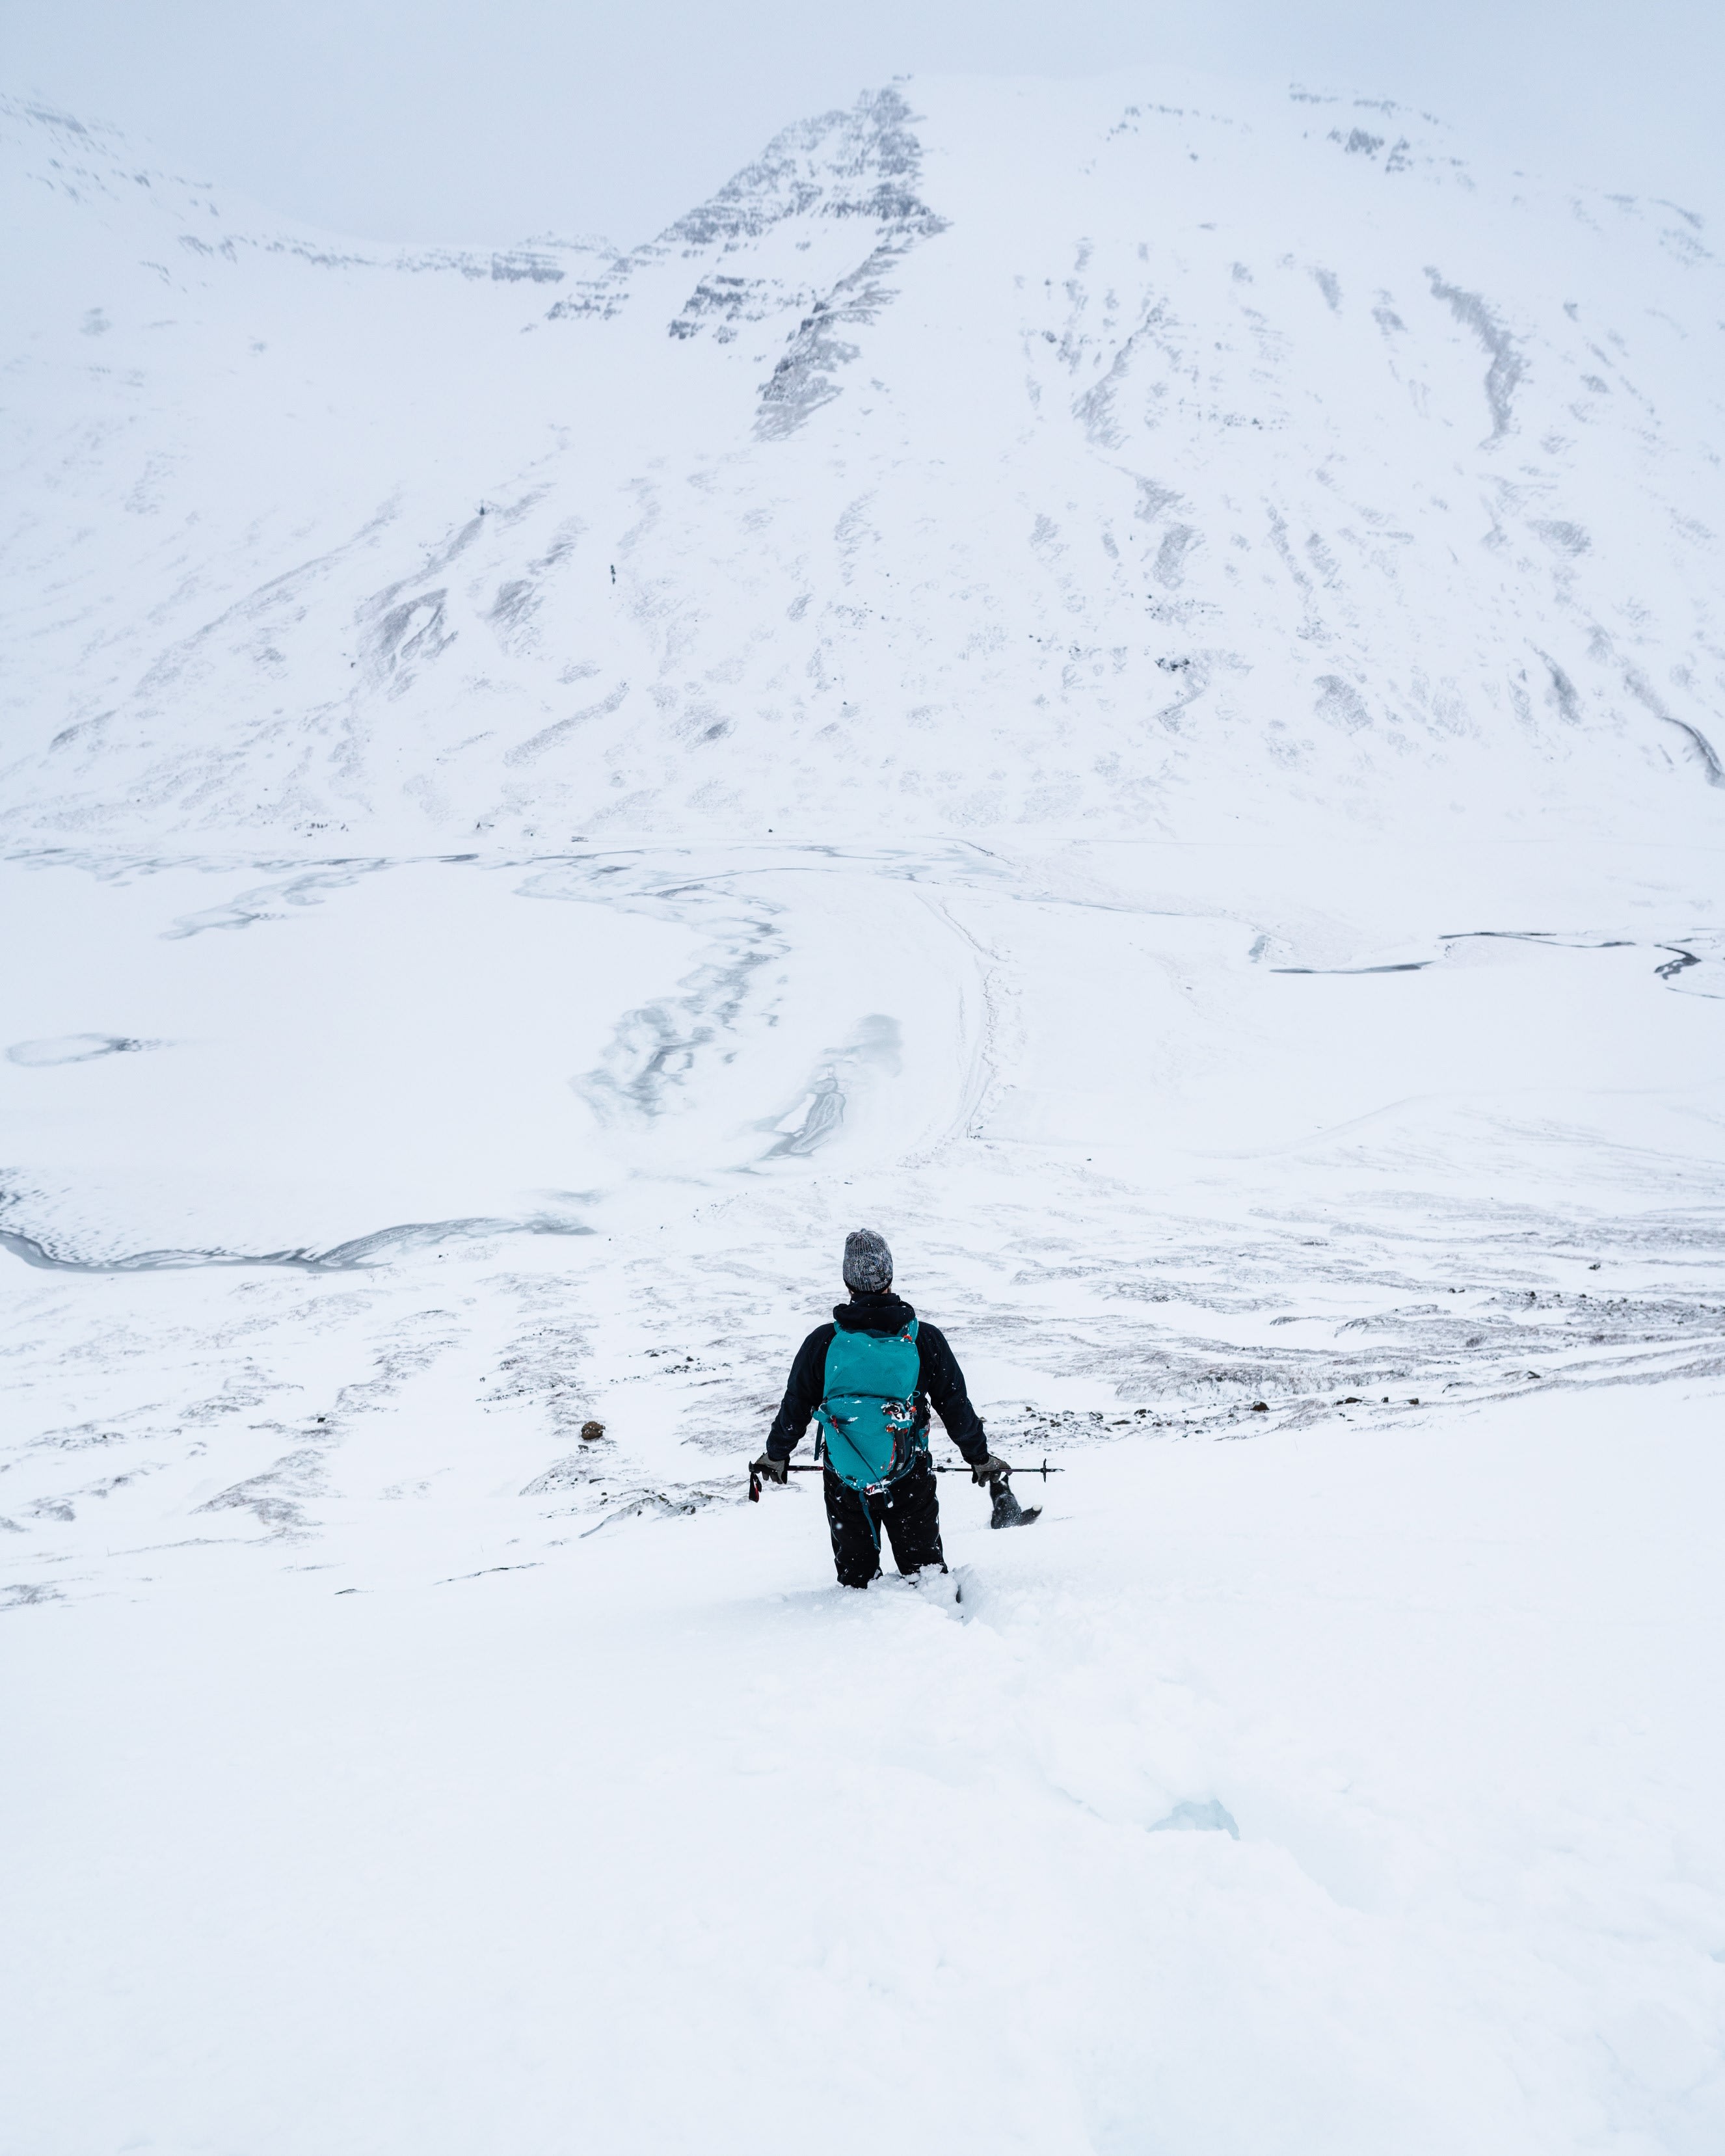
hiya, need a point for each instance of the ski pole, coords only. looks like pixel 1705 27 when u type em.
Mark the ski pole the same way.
pixel 792 1467
pixel 814 1467
pixel 1044 1471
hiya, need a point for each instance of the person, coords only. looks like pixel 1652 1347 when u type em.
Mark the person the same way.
pixel 870 1378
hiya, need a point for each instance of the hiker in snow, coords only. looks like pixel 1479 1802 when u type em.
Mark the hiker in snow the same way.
pixel 869 1378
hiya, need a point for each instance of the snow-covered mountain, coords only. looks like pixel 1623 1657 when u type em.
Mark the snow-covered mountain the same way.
pixel 1121 682
pixel 985 455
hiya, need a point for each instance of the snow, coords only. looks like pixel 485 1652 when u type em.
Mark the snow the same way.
pixel 668 1842
pixel 1187 799
pixel 1025 455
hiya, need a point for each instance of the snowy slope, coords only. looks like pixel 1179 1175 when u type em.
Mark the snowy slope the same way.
pixel 657 1843
pixel 987 455
pixel 1153 737
pixel 389 1762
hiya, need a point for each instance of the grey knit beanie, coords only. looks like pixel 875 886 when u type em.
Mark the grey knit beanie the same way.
pixel 868 1262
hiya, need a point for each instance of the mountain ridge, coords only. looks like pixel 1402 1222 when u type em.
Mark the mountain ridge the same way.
pixel 981 455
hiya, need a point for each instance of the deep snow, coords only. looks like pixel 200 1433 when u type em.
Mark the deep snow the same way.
pixel 669 1843
pixel 1153 738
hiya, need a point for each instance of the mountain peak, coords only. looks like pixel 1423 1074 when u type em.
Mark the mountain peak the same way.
pixel 1134 453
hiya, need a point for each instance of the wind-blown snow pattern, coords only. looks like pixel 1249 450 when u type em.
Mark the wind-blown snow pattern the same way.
pixel 1121 681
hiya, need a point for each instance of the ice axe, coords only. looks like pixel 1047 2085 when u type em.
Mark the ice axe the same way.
pixel 1008 1512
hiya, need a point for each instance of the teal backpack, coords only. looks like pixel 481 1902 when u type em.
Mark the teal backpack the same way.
pixel 868 1413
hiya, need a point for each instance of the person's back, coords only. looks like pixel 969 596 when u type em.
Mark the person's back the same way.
pixel 870 1378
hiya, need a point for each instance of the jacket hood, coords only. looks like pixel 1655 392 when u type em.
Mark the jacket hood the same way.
pixel 880 1312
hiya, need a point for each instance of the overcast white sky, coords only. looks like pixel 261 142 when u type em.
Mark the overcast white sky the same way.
pixel 457 121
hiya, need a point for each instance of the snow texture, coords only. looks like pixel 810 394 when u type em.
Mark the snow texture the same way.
pixel 1128 692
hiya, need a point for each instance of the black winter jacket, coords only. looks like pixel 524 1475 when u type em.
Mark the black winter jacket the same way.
pixel 939 1382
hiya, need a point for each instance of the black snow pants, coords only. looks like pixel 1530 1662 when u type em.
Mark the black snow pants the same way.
pixel 909 1513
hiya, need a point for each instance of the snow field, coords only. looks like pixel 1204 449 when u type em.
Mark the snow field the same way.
pixel 334 1190
pixel 305 1054
pixel 1118 680
pixel 670 1844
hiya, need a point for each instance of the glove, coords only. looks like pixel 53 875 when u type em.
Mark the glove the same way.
pixel 986 1471
pixel 775 1471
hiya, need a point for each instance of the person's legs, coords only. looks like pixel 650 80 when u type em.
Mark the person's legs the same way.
pixel 855 1554
pixel 910 1514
